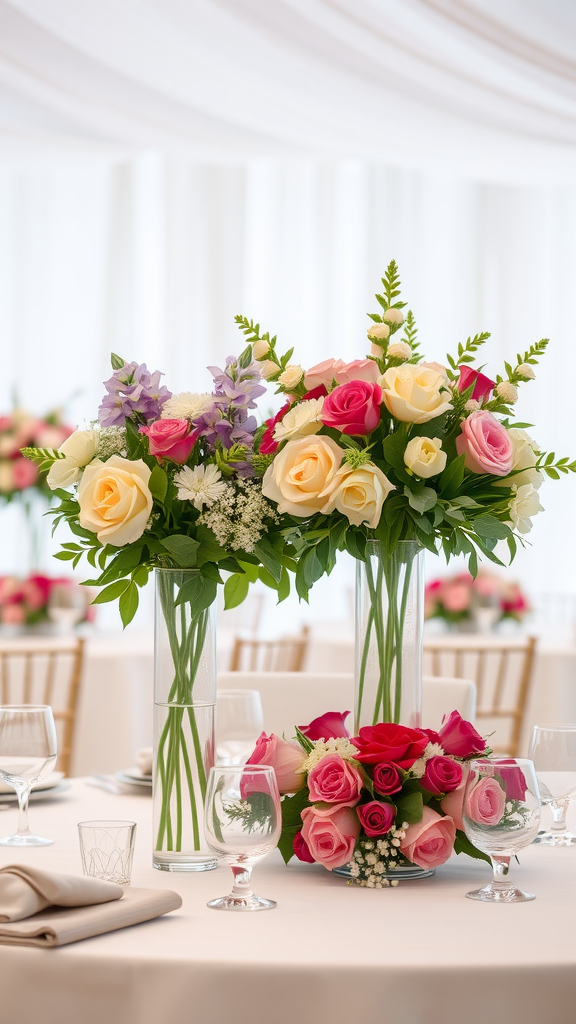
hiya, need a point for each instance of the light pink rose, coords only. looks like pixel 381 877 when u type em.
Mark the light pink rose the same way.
pixel 430 841
pixel 452 802
pixel 334 781
pixel 353 408
pixel 285 757
pixel 330 833
pixel 25 473
pixel 484 802
pixel 486 444
pixel 337 370
pixel 13 615
pixel 170 439
pixel 456 597
pixel 358 369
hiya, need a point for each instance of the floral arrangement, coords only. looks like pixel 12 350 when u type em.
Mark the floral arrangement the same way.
pixel 18 430
pixel 456 598
pixel 385 799
pixel 25 602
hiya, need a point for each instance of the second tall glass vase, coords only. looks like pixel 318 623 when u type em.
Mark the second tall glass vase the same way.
pixel 184 707
pixel 389 625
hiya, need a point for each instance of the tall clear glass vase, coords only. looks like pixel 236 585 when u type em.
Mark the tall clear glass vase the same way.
pixel 389 626
pixel 184 709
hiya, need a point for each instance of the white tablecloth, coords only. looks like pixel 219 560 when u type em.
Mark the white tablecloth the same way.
pixel 417 954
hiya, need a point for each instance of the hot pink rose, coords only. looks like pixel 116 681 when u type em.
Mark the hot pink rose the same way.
pixel 301 849
pixel 330 833
pixel 452 802
pixel 376 818
pixel 330 370
pixel 285 757
pixel 334 781
pixel 484 802
pixel 170 439
pixel 482 385
pixel 460 738
pixel 353 408
pixel 430 841
pixel 328 726
pixel 442 775
pixel 389 742
pixel 486 444
pixel 387 778
pixel 512 776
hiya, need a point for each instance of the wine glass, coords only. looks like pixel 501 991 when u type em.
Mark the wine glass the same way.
pixel 501 815
pixel 28 750
pixel 66 605
pixel 242 823
pixel 239 722
pixel 553 750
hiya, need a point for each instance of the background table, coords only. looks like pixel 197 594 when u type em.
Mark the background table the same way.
pixel 417 954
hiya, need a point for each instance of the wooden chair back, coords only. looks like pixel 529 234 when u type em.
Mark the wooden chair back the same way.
pixel 501 668
pixel 286 654
pixel 42 670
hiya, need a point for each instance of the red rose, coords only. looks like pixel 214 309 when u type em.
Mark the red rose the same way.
pixel 319 392
pixel 268 446
pixel 376 818
pixel 442 775
pixel 387 779
pixel 353 408
pixel 300 847
pixel 513 777
pixel 482 385
pixel 460 738
pixel 389 742
pixel 328 726
pixel 170 439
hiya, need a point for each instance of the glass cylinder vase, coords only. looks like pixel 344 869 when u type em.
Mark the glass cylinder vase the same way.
pixel 184 711
pixel 389 628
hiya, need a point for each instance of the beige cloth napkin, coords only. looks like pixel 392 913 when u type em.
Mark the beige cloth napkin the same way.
pixel 65 908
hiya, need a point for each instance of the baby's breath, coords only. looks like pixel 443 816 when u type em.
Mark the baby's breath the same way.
pixel 375 859
pixel 111 441
pixel 336 745
pixel 241 516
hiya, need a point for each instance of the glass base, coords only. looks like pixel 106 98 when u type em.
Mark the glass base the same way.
pixel 184 861
pixel 23 841
pixel 491 895
pixel 556 838
pixel 241 903
pixel 403 871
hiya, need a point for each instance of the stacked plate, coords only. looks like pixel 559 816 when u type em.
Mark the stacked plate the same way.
pixel 134 777
pixel 51 786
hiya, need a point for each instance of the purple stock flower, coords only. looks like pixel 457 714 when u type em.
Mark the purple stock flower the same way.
pixel 133 392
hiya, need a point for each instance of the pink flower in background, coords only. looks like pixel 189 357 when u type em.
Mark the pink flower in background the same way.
pixel 353 408
pixel 486 444
pixel 334 780
pixel 323 373
pixel 328 726
pixel 376 817
pixel 459 737
pixel 285 757
pixel 330 833
pixel 25 473
pixel 387 778
pixel 484 803
pixel 301 850
pixel 452 802
pixel 456 597
pixel 358 369
pixel 430 841
pixel 483 386
pixel 512 776
pixel 12 615
pixel 442 775
pixel 171 439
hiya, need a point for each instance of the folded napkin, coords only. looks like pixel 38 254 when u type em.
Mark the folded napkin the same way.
pixel 143 758
pixel 39 908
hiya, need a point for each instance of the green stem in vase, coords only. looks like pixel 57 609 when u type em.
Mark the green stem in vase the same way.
pixel 400 639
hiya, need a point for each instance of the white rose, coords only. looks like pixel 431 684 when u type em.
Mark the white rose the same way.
pixel 524 458
pixel 507 392
pixel 399 350
pixel 115 500
pixel 300 421
pixel 260 349
pixel 269 369
pixel 358 493
pixel 379 332
pixel 79 449
pixel 300 473
pixel 394 316
pixel 291 376
pixel 524 505
pixel 413 393
pixel 525 370
pixel 424 456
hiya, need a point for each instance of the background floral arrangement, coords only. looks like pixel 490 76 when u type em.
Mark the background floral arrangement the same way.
pixel 455 598
pixel 19 430
pixel 25 602
pixel 382 800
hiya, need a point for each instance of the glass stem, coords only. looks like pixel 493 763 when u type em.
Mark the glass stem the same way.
pixel 23 794
pixel 242 877
pixel 558 808
pixel 500 867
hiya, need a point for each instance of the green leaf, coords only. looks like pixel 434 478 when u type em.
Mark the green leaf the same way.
pixel 491 528
pixel 235 590
pixel 409 806
pixel 158 483
pixel 312 567
pixel 182 549
pixel 267 578
pixel 292 807
pixel 111 593
pixel 422 500
pixel 128 604
pixel 452 477
pixel 250 570
pixel 463 845
pixel 198 592
pixel 117 361
pixel 210 571
pixel 65 556
pixel 265 552
pixel 284 586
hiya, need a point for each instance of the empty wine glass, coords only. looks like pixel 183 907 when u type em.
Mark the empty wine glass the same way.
pixel 239 722
pixel 242 822
pixel 553 751
pixel 28 750
pixel 501 815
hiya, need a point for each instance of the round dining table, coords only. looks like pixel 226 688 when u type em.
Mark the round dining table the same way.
pixel 419 953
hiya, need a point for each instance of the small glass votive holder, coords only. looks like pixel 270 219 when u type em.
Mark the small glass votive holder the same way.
pixel 107 849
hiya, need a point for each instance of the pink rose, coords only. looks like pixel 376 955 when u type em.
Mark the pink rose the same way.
pixel 456 597
pixel 24 474
pixel 301 849
pixel 330 370
pixel 334 781
pixel 170 439
pixel 12 615
pixel 460 738
pixel 328 726
pixel 452 802
pixel 387 778
pixel 358 369
pixel 376 818
pixel 285 757
pixel 353 408
pixel 484 802
pixel 442 775
pixel 389 742
pixel 482 385
pixel 430 841
pixel 486 444
pixel 330 833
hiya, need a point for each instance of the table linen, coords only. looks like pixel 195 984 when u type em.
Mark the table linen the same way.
pixel 26 890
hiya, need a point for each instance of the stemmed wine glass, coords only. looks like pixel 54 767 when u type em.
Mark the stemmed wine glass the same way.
pixel 242 823
pixel 28 750
pixel 553 750
pixel 501 815
pixel 239 722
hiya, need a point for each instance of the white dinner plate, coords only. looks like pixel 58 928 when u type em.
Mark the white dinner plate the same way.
pixel 49 782
pixel 132 777
pixel 37 794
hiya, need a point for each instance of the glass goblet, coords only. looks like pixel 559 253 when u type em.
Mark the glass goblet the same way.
pixel 28 751
pixel 239 722
pixel 242 823
pixel 553 751
pixel 501 815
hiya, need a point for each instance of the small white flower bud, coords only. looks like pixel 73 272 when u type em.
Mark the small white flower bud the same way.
pixel 394 316
pixel 507 392
pixel 260 349
pixel 378 332
pixel 375 350
pixel 525 370
pixel 399 350
pixel 291 376
pixel 472 405
pixel 269 369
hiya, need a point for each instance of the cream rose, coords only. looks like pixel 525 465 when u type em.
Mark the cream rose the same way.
pixel 115 501
pixel 358 493
pixel 413 393
pixel 300 473
pixel 524 458
pixel 268 369
pixel 424 456
pixel 260 349
pixel 291 376
pixel 300 421
pixel 525 504
pixel 79 449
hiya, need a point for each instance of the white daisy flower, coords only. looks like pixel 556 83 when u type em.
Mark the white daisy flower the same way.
pixel 202 485
pixel 186 406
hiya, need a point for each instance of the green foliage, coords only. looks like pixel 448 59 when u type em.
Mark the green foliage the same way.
pixel 292 807
pixel 466 354
pixel 463 845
